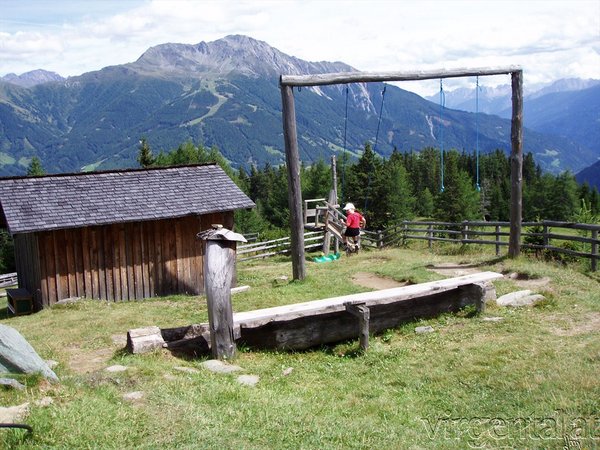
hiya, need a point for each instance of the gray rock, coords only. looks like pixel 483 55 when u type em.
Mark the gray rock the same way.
pixel 493 319
pixel 14 414
pixel 248 380
pixel 519 298
pixel 18 356
pixel 506 299
pixel 186 369
pixel 427 329
pixel 132 396
pixel 10 382
pixel 214 365
pixel 116 368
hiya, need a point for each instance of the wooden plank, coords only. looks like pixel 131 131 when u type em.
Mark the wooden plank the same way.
pixel 87 268
pixel 150 226
pixel 144 227
pixel 69 252
pixel 178 260
pixel 137 261
pixel 130 263
pixel 101 264
pixel 108 261
pixel 60 262
pixel 171 257
pixel 158 265
pixel 116 262
pixel 94 267
pixel 368 77
pixel 124 287
pixel 78 257
pixel 336 304
pixel 43 268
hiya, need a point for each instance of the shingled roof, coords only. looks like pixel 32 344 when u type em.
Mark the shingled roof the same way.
pixel 32 204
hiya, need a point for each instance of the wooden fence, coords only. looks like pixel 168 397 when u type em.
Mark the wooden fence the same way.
pixel 562 238
pixel 282 246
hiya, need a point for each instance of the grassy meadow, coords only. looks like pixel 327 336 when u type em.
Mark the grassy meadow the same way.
pixel 529 380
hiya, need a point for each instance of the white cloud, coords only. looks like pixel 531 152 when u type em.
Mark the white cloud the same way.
pixel 550 39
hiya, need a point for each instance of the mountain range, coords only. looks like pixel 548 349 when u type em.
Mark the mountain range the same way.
pixel 225 93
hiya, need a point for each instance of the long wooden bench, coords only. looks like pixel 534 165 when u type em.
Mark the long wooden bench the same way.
pixel 308 324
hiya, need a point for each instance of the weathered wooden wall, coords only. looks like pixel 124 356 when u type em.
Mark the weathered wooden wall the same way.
pixel 117 262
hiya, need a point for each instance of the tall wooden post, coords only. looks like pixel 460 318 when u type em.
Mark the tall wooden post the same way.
pixel 219 260
pixel 516 165
pixel 292 159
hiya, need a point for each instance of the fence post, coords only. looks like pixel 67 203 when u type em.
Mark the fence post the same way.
pixel 497 240
pixel 546 238
pixel 465 231
pixel 429 235
pixel 379 239
pixel 594 250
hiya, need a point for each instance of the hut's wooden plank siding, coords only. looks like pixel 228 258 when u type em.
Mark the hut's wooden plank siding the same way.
pixel 116 262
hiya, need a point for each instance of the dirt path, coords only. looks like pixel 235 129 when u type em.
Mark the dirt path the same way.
pixel 370 280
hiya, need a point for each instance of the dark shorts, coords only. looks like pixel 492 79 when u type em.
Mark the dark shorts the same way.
pixel 352 232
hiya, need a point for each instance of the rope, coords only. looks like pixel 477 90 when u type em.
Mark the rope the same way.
pixel 375 147
pixel 477 134
pixel 442 104
pixel 344 153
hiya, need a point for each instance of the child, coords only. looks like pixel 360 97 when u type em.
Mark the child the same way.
pixel 354 222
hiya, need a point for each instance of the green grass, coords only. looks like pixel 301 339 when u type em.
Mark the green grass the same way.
pixel 528 381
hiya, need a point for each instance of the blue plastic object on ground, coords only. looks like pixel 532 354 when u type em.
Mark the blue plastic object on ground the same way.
pixel 327 258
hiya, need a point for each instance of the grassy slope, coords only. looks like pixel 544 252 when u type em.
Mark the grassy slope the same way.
pixel 521 382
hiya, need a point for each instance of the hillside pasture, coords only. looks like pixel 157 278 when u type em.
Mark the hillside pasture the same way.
pixel 513 378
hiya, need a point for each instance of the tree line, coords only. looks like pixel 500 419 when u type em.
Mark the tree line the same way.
pixel 452 187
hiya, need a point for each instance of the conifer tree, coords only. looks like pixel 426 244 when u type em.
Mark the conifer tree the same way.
pixel 35 167
pixel 145 157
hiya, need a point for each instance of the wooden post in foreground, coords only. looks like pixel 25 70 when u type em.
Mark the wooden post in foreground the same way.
pixel 516 165
pixel 219 260
pixel 292 160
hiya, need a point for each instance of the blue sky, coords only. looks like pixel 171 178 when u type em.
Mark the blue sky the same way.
pixel 550 39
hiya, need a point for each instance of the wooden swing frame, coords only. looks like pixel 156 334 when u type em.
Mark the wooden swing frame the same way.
pixel 288 82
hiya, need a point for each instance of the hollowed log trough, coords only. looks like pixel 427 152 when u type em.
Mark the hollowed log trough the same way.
pixel 301 326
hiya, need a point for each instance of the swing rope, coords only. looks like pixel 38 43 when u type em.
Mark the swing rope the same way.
pixel 374 148
pixel 442 104
pixel 477 186
pixel 344 156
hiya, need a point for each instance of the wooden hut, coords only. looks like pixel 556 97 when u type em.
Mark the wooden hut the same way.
pixel 115 235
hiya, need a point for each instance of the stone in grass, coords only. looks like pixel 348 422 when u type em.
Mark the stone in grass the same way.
pixel 248 380
pixel 133 396
pixel 427 329
pixel 519 298
pixel 186 369
pixel 493 319
pixel 18 356
pixel 217 366
pixel 116 368
pixel 11 382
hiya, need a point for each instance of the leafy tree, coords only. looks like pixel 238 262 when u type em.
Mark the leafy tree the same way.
pixel 35 167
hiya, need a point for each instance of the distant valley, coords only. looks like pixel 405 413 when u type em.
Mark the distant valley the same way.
pixel 225 94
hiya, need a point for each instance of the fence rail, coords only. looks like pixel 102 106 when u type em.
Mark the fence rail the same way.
pixel 575 239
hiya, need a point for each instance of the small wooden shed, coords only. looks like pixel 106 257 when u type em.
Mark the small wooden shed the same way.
pixel 115 235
